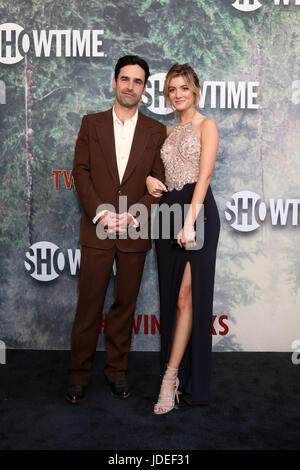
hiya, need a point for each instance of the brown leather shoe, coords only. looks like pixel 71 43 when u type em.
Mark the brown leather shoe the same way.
pixel 120 389
pixel 75 393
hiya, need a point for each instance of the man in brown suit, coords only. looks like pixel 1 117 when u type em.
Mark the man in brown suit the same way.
pixel 115 152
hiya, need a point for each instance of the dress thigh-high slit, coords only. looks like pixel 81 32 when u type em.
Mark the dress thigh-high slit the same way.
pixel 195 368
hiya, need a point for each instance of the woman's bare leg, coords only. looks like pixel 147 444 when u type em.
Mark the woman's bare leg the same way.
pixel 181 336
pixel 184 318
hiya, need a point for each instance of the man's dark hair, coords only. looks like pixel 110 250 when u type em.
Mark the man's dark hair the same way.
pixel 132 60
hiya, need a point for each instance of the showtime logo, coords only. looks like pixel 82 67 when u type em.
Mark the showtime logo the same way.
pixel 14 42
pixel 154 97
pixel 45 261
pixel 246 213
pixel 246 5
pixel 221 94
pixel 251 5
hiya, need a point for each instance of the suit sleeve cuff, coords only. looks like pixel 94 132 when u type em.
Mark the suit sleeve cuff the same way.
pixel 135 222
pixel 97 216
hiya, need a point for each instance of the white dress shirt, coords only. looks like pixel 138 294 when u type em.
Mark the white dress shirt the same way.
pixel 123 140
pixel 123 133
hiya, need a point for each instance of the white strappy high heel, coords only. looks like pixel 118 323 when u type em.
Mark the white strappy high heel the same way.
pixel 168 392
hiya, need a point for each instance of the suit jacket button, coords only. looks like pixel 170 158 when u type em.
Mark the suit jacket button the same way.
pixel 120 192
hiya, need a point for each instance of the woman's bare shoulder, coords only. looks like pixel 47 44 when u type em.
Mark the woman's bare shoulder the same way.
pixel 205 124
pixel 204 121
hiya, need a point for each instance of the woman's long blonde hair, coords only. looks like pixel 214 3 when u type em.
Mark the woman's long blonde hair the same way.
pixel 192 80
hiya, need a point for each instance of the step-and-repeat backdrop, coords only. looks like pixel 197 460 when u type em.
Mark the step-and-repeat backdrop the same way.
pixel 56 64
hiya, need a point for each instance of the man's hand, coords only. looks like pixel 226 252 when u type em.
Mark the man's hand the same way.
pixel 110 220
pixel 125 220
pixel 115 223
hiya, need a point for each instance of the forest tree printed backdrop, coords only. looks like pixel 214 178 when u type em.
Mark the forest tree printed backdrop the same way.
pixel 42 101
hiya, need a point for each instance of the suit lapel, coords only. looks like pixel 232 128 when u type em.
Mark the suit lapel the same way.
pixel 105 132
pixel 139 142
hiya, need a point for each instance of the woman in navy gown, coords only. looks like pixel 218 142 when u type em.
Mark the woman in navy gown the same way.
pixel 186 266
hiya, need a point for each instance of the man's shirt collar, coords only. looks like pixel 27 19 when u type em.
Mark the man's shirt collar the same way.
pixel 131 120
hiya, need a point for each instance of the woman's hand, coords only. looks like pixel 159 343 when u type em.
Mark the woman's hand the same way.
pixel 186 236
pixel 154 186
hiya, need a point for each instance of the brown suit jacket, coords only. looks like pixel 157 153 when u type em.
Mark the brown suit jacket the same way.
pixel 96 178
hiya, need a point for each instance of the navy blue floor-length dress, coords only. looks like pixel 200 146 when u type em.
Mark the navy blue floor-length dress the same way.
pixel 181 155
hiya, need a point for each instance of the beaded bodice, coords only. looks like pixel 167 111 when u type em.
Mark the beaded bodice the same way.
pixel 180 154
